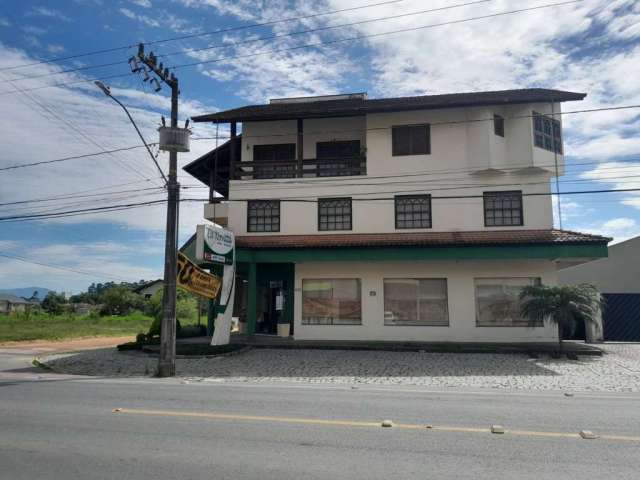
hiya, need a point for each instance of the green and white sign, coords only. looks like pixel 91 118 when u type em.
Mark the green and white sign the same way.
pixel 214 244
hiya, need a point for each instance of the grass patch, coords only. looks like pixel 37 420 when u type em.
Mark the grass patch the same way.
pixel 15 328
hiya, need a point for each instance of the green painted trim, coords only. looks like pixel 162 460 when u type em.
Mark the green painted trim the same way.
pixel 549 252
pixel 252 298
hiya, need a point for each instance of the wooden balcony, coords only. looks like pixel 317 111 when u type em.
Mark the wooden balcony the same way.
pixel 306 168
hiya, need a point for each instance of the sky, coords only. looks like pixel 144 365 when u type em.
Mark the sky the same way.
pixel 49 112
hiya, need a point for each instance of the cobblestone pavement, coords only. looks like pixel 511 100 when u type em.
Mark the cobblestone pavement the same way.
pixel 618 370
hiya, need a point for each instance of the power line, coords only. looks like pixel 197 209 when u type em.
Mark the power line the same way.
pixel 260 39
pixel 439 123
pixel 66 197
pixel 77 130
pixel 295 199
pixel 194 35
pixel 59 267
pixel 80 203
pixel 75 157
pixel 451 122
pixel 311 45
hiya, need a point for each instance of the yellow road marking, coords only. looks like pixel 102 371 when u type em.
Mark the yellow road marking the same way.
pixel 356 423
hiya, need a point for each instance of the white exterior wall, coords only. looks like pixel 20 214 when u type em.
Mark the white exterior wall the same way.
pixel 461 299
pixel 468 152
pixel 618 273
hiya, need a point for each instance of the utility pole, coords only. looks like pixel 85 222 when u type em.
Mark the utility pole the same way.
pixel 167 360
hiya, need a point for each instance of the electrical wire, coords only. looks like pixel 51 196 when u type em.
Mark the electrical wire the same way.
pixel 309 45
pixel 194 35
pixel 295 199
pixel 58 267
pixel 260 39
pixel 77 130
pixel 452 122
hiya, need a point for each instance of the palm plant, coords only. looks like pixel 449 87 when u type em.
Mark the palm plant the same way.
pixel 564 305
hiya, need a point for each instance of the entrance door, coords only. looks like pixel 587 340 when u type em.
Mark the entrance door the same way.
pixel 273 307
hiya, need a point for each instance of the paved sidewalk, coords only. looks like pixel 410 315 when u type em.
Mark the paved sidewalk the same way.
pixel 617 371
pixel 16 358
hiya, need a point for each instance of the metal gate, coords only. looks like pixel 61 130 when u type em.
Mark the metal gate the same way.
pixel 621 317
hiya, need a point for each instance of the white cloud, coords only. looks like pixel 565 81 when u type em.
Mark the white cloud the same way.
pixel 50 13
pixel 93 123
pixel 146 19
pixel 620 228
pixel 4 22
pixel 55 49
pixel 8 245
pixel 619 176
pixel 142 3
pixel 99 262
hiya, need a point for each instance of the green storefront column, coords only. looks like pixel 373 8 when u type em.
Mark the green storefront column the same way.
pixel 212 312
pixel 252 298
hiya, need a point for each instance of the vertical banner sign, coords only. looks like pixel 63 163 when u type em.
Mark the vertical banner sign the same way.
pixel 196 280
pixel 215 244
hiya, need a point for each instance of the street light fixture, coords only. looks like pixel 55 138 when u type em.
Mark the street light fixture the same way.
pixel 107 91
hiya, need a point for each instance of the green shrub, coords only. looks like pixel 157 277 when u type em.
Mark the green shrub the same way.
pixel 193 331
pixel 154 330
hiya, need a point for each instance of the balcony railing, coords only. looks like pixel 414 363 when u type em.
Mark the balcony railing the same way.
pixel 312 167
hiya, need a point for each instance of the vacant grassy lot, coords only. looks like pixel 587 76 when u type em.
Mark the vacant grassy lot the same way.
pixel 36 327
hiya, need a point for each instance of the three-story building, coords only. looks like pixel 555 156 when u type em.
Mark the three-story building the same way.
pixel 400 219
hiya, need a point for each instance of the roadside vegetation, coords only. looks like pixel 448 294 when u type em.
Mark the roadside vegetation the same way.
pixel 104 310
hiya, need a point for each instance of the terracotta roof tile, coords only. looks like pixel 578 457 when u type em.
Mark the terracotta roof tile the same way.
pixel 426 239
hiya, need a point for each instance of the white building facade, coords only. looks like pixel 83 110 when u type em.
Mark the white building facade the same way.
pixel 406 219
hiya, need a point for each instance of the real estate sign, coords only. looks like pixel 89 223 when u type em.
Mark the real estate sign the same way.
pixel 196 280
pixel 214 244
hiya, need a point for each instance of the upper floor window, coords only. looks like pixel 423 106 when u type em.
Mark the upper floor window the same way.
pixel 274 161
pixel 411 140
pixel 263 216
pixel 503 209
pixel 547 133
pixel 498 125
pixel 338 158
pixel 413 211
pixel 334 214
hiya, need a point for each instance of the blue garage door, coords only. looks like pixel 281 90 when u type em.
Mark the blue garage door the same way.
pixel 621 317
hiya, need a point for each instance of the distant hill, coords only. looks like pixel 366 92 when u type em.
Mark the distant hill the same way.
pixel 26 292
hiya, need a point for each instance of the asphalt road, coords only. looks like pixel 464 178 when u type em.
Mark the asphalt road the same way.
pixel 66 428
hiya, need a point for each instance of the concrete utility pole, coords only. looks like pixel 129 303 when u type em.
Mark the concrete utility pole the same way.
pixel 167 360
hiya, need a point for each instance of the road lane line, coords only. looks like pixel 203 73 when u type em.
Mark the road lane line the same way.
pixel 357 423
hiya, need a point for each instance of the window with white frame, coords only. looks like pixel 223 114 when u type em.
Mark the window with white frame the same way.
pixel 547 133
pixel 503 209
pixel 331 301
pixel 413 211
pixel 416 302
pixel 498 301
pixel 334 214
pixel 263 216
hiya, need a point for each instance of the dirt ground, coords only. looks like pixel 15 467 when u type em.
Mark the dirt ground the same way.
pixel 68 345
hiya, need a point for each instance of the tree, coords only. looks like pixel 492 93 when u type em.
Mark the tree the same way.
pixel 53 303
pixel 119 300
pixel 564 305
pixel 186 310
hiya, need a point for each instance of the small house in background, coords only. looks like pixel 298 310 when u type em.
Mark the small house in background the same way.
pixel 148 290
pixel 617 278
pixel 12 303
